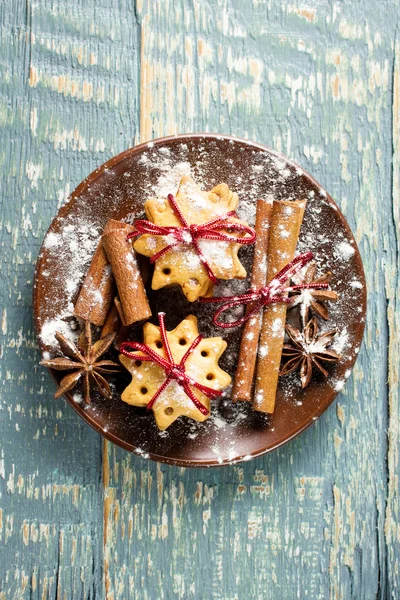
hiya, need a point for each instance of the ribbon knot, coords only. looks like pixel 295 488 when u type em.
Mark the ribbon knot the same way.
pixel 188 235
pixel 275 291
pixel 177 372
pixel 173 371
pixel 265 294
pixel 191 233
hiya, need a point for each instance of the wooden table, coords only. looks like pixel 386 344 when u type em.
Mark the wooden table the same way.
pixel 82 80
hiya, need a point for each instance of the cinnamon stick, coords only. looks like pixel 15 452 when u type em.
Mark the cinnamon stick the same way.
pixel 243 383
pixel 284 232
pixel 97 291
pixel 118 306
pixel 112 323
pixel 132 295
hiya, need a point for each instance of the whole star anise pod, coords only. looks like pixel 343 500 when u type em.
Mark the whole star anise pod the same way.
pixel 83 361
pixel 309 349
pixel 312 300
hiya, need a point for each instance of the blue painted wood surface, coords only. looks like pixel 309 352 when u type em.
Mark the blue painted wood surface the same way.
pixel 83 80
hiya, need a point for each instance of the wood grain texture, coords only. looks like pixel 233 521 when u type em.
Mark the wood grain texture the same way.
pixel 81 81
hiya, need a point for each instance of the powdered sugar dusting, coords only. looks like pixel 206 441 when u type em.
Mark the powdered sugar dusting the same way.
pixel 172 168
pixel 344 250
pixel 71 249
pixel 215 253
pixel 61 325
pixel 51 240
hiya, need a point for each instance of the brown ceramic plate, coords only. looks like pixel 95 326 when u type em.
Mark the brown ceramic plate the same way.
pixel 118 190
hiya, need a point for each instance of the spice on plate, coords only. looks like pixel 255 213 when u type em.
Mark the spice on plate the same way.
pixel 285 228
pixel 134 305
pixel 243 383
pixel 82 359
pixel 98 289
pixel 308 349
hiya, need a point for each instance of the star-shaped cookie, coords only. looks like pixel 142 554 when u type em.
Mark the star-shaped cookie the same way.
pixel 181 265
pixel 202 366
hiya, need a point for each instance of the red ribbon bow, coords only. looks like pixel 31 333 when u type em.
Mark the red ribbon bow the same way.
pixel 191 234
pixel 172 370
pixel 275 291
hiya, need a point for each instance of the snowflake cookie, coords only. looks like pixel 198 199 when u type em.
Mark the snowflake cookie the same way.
pixel 175 373
pixel 193 265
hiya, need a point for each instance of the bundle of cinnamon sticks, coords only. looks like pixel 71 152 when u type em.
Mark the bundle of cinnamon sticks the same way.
pixel 277 227
pixel 113 291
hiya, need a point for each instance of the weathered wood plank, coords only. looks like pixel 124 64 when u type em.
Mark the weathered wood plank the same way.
pixel 68 80
pixel 318 81
pixel 392 283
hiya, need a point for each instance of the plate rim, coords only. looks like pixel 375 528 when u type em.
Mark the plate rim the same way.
pixel 89 180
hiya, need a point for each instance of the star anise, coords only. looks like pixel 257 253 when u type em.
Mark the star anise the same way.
pixel 83 361
pixel 312 300
pixel 309 349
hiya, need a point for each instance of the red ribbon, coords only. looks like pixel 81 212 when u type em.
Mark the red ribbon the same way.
pixel 191 234
pixel 275 291
pixel 173 371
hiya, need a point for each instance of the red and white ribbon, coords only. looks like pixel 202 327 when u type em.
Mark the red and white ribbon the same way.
pixel 275 291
